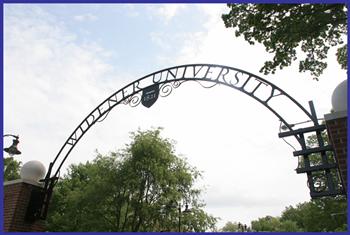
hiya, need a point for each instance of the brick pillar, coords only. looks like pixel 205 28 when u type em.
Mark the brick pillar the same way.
pixel 17 194
pixel 337 132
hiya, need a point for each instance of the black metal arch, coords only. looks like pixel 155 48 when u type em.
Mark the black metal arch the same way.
pixel 165 80
pixel 147 89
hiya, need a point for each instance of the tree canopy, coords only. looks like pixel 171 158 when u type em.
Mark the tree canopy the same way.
pixel 142 187
pixel 315 159
pixel 284 29
pixel 139 188
pixel 327 214
pixel 11 169
pixel 235 227
pixel 230 227
pixel 274 224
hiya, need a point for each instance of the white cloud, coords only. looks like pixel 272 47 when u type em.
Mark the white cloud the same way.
pixel 159 39
pixel 85 17
pixel 168 11
pixel 50 81
pixel 131 10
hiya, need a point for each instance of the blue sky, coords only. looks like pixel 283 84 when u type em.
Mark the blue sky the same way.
pixel 136 25
pixel 61 61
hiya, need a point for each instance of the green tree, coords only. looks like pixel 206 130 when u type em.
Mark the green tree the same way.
pixel 288 226
pixel 327 214
pixel 138 188
pixel 274 224
pixel 230 227
pixel 235 227
pixel 286 28
pixel 11 169
pixel 315 159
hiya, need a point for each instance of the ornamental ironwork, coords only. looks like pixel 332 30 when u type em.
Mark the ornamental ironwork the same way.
pixel 148 89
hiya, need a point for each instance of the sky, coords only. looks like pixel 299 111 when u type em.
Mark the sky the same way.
pixel 63 60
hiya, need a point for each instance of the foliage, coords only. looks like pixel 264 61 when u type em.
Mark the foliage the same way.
pixel 315 159
pixel 138 188
pixel 319 215
pixel 326 214
pixel 230 227
pixel 235 227
pixel 286 28
pixel 274 224
pixel 11 169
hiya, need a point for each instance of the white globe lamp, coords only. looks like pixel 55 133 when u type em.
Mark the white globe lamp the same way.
pixel 339 97
pixel 33 171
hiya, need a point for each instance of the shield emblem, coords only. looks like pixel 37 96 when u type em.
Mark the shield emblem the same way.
pixel 150 95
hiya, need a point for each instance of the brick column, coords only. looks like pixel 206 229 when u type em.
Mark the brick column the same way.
pixel 17 194
pixel 337 132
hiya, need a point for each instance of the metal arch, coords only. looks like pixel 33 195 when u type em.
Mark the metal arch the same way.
pixel 169 79
pixel 164 81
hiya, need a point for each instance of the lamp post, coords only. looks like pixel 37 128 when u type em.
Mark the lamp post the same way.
pixel 243 227
pixel 12 150
pixel 187 210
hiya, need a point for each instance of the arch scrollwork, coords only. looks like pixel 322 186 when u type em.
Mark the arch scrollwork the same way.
pixel 167 80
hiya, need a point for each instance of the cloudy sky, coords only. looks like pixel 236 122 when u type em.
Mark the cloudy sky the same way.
pixel 61 61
